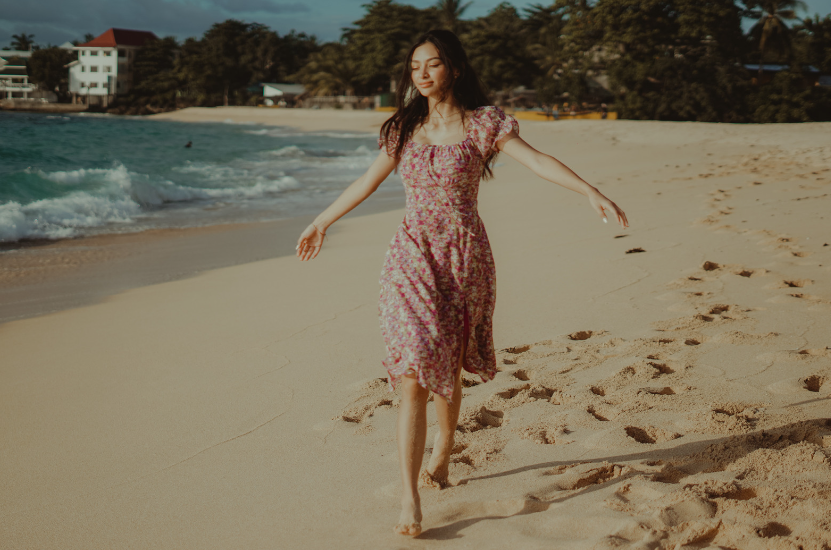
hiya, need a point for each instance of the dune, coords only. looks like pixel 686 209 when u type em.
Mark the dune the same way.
pixel 664 387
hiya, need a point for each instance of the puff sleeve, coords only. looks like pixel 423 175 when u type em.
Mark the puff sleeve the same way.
pixel 389 146
pixel 489 125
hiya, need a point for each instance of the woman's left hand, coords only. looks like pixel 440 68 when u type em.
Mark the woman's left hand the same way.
pixel 606 208
pixel 309 243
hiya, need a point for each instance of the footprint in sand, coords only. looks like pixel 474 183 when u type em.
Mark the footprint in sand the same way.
pixel 708 315
pixel 482 418
pixel 514 353
pixel 637 373
pixel 570 478
pixel 600 413
pixel 521 374
pixel 725 418
pixel 546 433
pixel 737 337
pixel 650 434
pixel 814 382
pixel 469 381
pixel 510 393
pixel 792 283
pixel 516 396
pixel 374 394
pixel 359 413
pixel 683 500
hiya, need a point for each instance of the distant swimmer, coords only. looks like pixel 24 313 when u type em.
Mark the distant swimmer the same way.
pixel 188 145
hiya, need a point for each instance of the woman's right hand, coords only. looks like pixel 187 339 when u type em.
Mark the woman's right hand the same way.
pixel 309 243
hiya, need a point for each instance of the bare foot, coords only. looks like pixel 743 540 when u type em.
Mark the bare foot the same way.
pixel 436 473
pixel 409 522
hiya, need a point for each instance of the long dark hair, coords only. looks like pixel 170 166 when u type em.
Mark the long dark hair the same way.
pixel 412 107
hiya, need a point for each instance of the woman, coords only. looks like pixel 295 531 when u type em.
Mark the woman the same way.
pixel 438 280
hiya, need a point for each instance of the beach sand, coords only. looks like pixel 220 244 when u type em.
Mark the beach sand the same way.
pixel 662 387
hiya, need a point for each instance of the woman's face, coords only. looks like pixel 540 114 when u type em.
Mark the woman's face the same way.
pixel 430 74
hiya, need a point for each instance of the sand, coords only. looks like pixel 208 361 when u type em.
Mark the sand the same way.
pixel 662 387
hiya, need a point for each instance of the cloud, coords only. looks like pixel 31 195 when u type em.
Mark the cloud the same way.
pixel 56 21
pixel 264 6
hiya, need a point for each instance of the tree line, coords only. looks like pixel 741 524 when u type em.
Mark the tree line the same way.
pixel 650 59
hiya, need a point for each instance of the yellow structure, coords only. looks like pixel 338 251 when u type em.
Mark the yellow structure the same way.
pixel 539 115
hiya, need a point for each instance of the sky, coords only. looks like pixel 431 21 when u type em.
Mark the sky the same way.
pixel 56 21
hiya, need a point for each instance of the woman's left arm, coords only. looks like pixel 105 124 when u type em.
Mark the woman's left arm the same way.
pixel 551 169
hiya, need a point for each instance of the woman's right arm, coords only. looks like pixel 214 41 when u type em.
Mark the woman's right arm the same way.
pixel 310 241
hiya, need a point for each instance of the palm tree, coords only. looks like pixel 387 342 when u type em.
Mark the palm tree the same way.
pixel 330 71
pixel 450 13
pixel 23 41
pixel 771 16
pixel 546 25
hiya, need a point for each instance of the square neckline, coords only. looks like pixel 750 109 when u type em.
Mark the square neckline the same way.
pixel 458 143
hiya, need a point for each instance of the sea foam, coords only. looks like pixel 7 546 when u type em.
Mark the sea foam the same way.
pixel 105 174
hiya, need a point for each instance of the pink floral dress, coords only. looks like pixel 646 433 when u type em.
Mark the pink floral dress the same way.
pixel 438 284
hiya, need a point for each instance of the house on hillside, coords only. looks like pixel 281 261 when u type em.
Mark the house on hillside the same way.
pixel 104 67
pixel 14 80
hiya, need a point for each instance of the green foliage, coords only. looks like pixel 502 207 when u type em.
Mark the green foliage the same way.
pixel 678 59
pixel 662 59
pixel 331 71
pixel 450 14
pixel 699 86
pixel 497 48
pixel 816 38
pixel 47 69
pixel 220 59
pixel 233 55
pixel 786 98
pixel 156 82
pixel 379 41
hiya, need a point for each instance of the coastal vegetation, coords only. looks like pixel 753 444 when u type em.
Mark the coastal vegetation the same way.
pixel 649 59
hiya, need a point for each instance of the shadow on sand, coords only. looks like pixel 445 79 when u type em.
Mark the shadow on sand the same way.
pixel 679 462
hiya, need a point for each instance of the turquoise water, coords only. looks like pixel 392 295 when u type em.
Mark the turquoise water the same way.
pixel 67 176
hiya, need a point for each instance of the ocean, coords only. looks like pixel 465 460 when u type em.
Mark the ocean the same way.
pixel 64 176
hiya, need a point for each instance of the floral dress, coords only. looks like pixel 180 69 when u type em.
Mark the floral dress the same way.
pixel 438 284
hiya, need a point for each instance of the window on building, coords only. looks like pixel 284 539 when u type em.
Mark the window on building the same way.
pixel 93 69
pixel 109 53
pixel 122 52
pixel 93 52
pixel 108 69
pixel 93 84
pixel 83 52
pixel 83 68
pixel 105 84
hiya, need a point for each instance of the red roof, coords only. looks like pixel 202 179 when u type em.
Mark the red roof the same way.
pixel 120 37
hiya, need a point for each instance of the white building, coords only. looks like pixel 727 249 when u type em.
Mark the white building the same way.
pixel 14 80
pixel 104 67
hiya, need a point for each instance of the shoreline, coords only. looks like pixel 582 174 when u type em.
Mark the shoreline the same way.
pixel 46 277
pixel 43 276
pixel 306 120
